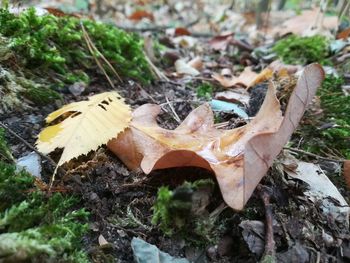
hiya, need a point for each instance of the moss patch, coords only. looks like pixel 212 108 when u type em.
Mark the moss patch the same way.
pixel 176 213
pixel 35 227
pixel 49 44
pixel 336 117
pixel 302 50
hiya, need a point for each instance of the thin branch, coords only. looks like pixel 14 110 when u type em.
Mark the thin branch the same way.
pixel 270 250
pixel 314 155
pixel 176 117
pixel 52 162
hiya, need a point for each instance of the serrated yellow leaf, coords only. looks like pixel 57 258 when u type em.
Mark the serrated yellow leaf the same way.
pixel 49 133
pixel 89 124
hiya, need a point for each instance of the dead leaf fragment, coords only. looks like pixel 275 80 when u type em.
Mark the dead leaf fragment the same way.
pixel 181 31
pixel 238 95
pixel 245 79
pixel 140 14
pixel 86 125
pixel 309 22
pixel 185 68
pixel 102 241
pixel 320 188
pixel 239 157
pixel 221 42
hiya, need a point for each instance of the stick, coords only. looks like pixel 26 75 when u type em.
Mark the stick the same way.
pixel 314 155
pixel 270 251
pixel 52 162
pixel 176 117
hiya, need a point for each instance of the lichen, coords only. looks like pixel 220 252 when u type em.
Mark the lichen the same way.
pixel 302 50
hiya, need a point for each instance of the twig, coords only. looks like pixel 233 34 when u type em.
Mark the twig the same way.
pixel 270 251
pixel 96 59
pixel 92 48
pixel 176 117
pixel 313 155
pixel 160 75
pixel 52 162
pixel 101 55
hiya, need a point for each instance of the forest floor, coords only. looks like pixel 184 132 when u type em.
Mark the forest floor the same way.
pixel 309 219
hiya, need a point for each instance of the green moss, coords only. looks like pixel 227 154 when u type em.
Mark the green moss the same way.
pixel 205 91
pixel 336 111
pixel 35 227
pixel 302 50
pixel 5 152
pixel 173 212
pixel 56 46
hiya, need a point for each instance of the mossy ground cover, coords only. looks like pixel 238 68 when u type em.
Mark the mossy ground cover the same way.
pixel 34 226
pixel 52 52
pixel 333 134
pixel 303 50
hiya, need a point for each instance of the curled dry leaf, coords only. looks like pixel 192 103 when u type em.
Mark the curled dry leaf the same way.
pixel 83 126
pixel 239 157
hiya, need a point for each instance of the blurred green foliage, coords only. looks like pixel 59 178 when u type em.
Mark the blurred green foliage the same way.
pixel 302 50
pixel 47 42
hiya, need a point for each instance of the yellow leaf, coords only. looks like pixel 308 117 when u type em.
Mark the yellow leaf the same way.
pixel 84 126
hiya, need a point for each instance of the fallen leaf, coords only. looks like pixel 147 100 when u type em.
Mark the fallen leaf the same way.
pixel 249 78
pixel 278 66
pixel 85 126
pixel 184 68
pixel 320 188
pixel 238 95
pixel 246 78
pixel 140 14
pixel 344 34
pixel 181 31
pixel 196 63
pixel 309 22
pixel 221 42
pixel 102 241
pixel 239 158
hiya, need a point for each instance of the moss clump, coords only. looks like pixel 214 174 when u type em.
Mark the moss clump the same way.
pixel 34 227
pixel 205 91
pixel 336 114
pixel 44 43
pixel 175 212
pixel 5 153
pixel 302 50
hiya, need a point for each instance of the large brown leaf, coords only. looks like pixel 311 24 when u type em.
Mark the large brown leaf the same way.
pixel 239 157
